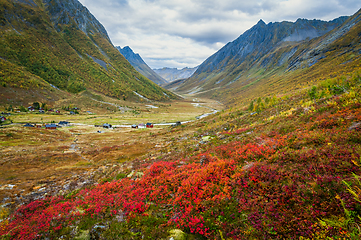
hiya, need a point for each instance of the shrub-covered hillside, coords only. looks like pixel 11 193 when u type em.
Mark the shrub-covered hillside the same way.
pixel 281 168
pixel 62 44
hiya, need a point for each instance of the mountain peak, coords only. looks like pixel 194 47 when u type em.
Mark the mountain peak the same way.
pixel 138 63
pixel 261 22
pixel 126 50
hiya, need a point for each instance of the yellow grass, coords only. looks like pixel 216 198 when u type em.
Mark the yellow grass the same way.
pixel 31 156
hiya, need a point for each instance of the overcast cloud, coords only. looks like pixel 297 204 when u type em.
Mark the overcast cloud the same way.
pixel 183 33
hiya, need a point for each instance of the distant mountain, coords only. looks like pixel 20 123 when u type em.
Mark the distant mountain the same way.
pixel 270 58
pixel 138 63
pixel 172 74
pixel 55 45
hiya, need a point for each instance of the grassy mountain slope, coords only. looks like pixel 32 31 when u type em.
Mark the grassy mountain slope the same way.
pixel 242 72
pixel 61 43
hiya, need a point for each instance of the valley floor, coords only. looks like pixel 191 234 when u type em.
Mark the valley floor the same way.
pixel 282 168
pixel 36 162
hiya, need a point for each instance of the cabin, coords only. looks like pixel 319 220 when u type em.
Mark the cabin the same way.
pixel 41 111
pixel 2 118
pixel 142 125
pixel 66 123
pixel 149 125
pixel 107 125
pixel 31 109
pixel 50 126
pixel 28 125
pixel 134 126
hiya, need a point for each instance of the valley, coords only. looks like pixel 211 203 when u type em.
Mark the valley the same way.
pixel 260 141
pixel 296 153
pixel 33 157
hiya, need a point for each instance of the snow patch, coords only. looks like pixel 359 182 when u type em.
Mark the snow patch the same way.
pixel 195 90
pixel 140 96
pixel 54 86
pixel 218 82
pixel 151 106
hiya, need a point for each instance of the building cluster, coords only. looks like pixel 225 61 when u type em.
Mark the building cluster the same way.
pixel 49 125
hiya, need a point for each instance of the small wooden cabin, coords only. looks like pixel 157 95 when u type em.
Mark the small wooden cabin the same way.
pixel 50 126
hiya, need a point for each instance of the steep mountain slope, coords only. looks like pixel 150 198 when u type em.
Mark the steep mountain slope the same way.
pixel 172 74
pixel 272 58
pixel 139 64
pixel 60 45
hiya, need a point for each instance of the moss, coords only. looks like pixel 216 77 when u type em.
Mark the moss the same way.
pixel 177 234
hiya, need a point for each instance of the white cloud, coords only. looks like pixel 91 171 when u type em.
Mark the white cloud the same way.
pixel 179 33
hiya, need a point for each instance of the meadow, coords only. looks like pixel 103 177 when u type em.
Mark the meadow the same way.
pixel 37 158
pixel 280 168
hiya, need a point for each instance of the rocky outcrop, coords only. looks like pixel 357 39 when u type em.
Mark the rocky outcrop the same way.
pixel 66 11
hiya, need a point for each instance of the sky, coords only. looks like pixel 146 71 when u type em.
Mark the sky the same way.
pixel 184 33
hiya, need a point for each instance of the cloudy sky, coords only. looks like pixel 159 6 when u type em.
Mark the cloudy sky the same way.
pixel 183 33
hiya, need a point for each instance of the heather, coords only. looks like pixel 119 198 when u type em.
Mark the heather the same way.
pixel 285 168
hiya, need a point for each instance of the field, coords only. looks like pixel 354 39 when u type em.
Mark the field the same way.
pixel 286 167
pixel 37 162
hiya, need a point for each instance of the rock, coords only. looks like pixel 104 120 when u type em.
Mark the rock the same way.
pixel 177 234
pixel 121 217
pixel 97 230
pixel 354 125
pixel 248 165
pixel 207 138
pixel 131 174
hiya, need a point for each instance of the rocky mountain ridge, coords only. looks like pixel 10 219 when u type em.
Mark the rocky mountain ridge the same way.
pixel 273 50
pixel 138 63
pixel 173 74
pixel 262 38
pixel 66 11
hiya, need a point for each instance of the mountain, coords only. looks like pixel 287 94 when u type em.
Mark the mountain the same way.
pixel 52 46
pixel 137 62
pixel 272 58
pixel 172 74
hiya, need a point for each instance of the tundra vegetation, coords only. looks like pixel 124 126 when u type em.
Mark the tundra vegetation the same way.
pixel 280 167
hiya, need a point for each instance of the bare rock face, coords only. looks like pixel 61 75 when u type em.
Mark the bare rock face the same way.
pixel 66 11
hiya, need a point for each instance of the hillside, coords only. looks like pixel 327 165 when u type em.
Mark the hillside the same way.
pixel 270 59
pixel 282 161
pixel 172 74
pixel 139 64
pixel 282 168
pixel 49 46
